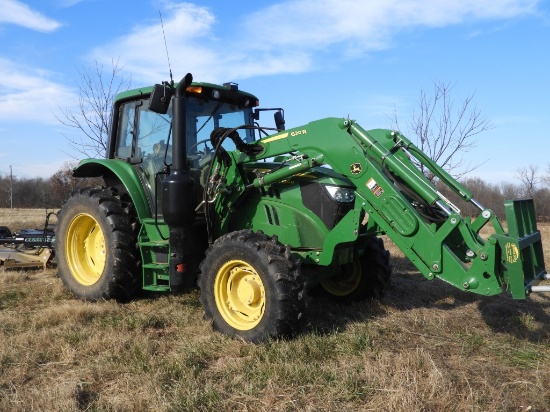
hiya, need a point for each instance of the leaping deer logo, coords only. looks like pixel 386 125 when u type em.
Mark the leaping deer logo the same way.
pixel 356 168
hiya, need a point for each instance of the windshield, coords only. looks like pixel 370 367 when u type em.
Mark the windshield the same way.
pixel 205 116
pixel 145 137
pixel 153 130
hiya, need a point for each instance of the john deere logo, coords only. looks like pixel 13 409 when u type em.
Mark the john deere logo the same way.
pixel 512 253
pixel 356 168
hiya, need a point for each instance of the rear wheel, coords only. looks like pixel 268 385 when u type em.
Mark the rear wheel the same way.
pixel 96 245
pixel 251 287
pixel 365 278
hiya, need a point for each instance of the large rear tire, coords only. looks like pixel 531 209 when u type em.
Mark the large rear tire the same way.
pixel 251 287
pixel 96 245
pixel 367 277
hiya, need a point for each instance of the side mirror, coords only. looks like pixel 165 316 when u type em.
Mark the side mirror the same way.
pixel 279 116
pixel 160 98
pixel 279 120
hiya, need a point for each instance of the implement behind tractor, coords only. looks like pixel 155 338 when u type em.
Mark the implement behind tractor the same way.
pixel 198 192
pixel 29 248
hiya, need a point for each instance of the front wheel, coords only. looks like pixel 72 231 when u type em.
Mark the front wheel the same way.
pixel 251 287
pixel 366 277
pixel 96 245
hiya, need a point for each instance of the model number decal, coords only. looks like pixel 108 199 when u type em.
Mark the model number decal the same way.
pixel 298 132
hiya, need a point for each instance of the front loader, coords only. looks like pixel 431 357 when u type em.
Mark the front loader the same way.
pixel 198 192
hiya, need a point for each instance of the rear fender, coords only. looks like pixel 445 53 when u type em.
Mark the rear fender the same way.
pixel 117 173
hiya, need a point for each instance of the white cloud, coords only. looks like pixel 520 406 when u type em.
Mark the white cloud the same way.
pixel 143 50
pixel 21 14
pixel 28 94
pixel 286 37
pixel 365 26
pixel 194 48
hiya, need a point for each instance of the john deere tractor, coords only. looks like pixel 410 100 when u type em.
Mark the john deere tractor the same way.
pixel 198 192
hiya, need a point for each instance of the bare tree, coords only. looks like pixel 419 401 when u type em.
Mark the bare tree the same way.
pixel 530 187
pixel 62 182
pixel 546 178
pixel 6 189
pixel 97 90
pixel 530 180
pixel 444 130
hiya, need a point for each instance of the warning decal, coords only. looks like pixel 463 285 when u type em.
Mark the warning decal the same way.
pixel 375 188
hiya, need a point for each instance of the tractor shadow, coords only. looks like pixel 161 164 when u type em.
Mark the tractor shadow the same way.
pixel 525 319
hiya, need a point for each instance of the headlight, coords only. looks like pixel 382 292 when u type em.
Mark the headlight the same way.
pixel 341 194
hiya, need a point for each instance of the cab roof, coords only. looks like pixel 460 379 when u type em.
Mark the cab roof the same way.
pixel 226 92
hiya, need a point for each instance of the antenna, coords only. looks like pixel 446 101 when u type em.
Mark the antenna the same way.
pixel 166 46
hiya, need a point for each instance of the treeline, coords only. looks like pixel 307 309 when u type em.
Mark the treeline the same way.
pixel 493 196
pixel 39 192
pixel 50 193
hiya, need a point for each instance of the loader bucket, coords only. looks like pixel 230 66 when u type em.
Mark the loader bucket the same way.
pixel 522 253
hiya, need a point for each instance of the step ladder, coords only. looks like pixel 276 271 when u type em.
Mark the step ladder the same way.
pixel 155 255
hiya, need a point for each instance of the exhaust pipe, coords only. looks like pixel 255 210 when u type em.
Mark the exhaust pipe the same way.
pixel 178 195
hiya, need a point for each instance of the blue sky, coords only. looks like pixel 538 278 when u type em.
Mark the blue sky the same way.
pixel 315 58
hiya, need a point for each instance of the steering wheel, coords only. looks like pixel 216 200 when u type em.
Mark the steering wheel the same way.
pixel 192 149
pixel 200 158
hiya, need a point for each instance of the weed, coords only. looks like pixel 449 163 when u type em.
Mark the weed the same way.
pixel 10 299
pixel 527 358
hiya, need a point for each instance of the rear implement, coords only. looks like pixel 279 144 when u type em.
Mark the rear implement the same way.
pixel 30 248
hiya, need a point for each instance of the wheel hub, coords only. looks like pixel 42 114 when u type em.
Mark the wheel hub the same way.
pixel 85 249
pixel 240 295
pixel 248 290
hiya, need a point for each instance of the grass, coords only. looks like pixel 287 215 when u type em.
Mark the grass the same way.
pixel 18 219
pixel 425 347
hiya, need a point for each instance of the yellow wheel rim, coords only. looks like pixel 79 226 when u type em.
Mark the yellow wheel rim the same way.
pixel 240 295
pixel 85 249
pixel 344 284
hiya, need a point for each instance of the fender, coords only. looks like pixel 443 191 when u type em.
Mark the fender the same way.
pixel 125 174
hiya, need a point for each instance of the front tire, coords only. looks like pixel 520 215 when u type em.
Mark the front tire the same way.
pixel 367 277
pixel 251 287
pixel 96 245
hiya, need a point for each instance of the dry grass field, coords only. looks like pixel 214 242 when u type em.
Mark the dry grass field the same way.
pixel 17 219
pixel 425 347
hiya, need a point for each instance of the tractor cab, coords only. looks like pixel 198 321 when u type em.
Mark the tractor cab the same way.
pixel 142 132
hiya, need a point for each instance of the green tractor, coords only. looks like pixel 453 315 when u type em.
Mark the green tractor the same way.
pixel 197 192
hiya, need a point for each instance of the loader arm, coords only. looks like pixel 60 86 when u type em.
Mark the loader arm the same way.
pixel 401 202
